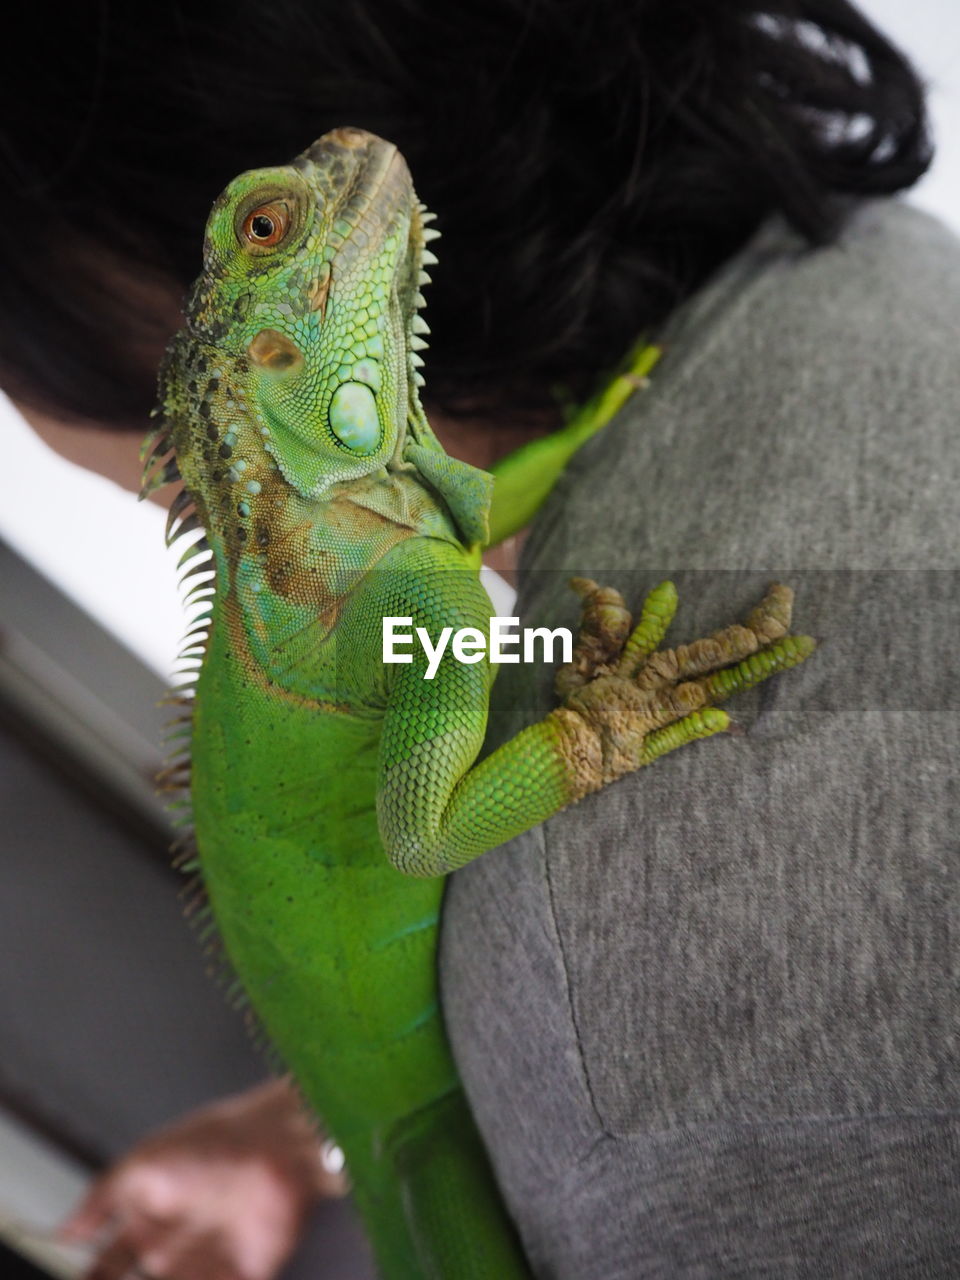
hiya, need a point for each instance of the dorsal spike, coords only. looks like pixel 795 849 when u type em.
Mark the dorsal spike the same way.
pixel 181 503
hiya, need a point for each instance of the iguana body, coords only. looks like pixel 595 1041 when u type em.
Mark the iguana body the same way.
pixel 319 774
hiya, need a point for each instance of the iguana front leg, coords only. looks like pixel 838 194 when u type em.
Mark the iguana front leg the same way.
pixel 625 703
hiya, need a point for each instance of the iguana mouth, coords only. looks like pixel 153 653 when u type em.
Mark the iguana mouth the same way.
pixel 380 178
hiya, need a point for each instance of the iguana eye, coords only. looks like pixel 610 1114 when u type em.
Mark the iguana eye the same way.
pixel 267 224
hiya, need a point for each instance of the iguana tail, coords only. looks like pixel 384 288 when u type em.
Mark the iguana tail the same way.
pixel 430 1202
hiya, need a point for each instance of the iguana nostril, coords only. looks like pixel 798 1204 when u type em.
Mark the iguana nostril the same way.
pixel 274 351
pixel 351 138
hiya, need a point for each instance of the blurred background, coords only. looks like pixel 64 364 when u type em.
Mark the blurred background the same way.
pixel 108 1024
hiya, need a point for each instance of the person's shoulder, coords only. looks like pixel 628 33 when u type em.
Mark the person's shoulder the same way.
pixel 818 390
pixel 884 290
pixel 875 227
pixel 893 268
pixel 887 240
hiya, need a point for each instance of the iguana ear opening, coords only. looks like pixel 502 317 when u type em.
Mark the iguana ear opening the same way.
pixel 466 490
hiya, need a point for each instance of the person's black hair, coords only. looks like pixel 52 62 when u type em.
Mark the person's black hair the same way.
pixel 590 162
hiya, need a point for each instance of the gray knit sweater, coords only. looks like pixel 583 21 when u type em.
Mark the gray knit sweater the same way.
pixel 708 1019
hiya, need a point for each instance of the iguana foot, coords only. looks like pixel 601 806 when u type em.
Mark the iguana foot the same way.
pixel 626 702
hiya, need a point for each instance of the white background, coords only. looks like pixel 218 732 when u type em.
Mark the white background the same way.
pixel 106 550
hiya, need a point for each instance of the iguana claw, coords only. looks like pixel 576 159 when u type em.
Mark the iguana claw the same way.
pixel 635 701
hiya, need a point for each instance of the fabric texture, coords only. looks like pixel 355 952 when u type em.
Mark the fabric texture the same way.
pixel 708 1019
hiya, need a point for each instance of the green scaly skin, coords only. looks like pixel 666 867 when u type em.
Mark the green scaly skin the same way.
pixel 320 774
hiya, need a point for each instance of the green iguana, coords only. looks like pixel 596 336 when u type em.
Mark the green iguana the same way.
pixel 331 792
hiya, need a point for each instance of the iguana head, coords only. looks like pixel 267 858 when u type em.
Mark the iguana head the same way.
pixel 310 290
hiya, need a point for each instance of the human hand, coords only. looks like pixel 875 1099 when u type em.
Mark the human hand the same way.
pixel 221 1194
